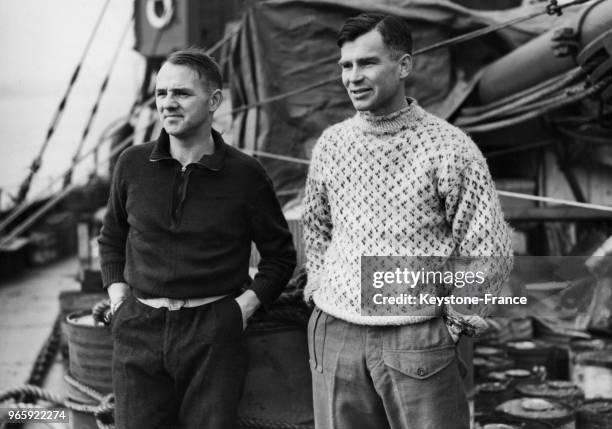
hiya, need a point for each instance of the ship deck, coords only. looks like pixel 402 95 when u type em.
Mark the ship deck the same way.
pixel 29 305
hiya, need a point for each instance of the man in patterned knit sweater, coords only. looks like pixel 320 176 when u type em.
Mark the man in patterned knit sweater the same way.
pixel 393 180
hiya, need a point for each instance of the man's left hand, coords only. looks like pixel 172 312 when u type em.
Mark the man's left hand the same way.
pixel 248 303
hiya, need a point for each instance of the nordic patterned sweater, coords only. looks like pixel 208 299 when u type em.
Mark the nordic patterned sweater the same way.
pixel 403 184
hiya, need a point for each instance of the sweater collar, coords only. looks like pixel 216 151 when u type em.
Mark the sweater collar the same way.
pixel 214 161
pixel 390 123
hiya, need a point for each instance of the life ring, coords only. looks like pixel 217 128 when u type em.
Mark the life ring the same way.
pixel 159 20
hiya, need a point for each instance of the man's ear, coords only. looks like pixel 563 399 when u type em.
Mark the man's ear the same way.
pixel 216 97
pixel 405 63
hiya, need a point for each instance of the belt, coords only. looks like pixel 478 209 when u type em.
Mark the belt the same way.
pixel 176 304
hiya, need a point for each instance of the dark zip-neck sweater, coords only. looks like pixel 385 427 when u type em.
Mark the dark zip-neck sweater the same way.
pixel 186 232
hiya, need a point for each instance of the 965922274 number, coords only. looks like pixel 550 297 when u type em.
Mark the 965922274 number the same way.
pixel 48 415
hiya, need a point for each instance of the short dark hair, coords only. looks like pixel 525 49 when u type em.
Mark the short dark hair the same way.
pixel 200 62
pixel 395 32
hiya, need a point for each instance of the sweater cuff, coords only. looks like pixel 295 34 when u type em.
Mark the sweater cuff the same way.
pixel 112 273
pixel 266 293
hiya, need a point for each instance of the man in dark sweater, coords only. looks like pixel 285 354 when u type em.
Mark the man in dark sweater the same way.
pixel 175 248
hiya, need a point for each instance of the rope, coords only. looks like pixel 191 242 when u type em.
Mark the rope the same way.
pixel 583 137
pixel 94 109
pixel 31 391
pixel 46 355
pixel 103 411
pixel 224 39
pixel 555 201
pixel 253 423
pixel 25 186
pixel 476 110
pixel 563 101
pixel 22 205
pixel 516 149
pixel 274 156
pixel 551 9
pixel 25 205
pixel 508 107
pixel 58 197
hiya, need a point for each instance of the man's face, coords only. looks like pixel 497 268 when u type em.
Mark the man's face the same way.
pixel 183 101
pixel 371 74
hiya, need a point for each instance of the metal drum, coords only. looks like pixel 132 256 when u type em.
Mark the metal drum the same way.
pixel 512 377
pixel 541 410
pixel 506 422
pixel 594 414
pixel 484 366
pixel 562 391
pixel 489 396
pixel 579 345
pixel 530 354
pixel 592 372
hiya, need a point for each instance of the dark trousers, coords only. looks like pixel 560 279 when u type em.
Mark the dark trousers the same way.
pixel 178 369
pixel 381 377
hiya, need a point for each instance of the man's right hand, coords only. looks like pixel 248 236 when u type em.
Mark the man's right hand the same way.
pixel 118 292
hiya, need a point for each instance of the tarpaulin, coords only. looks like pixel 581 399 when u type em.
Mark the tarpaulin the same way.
pixel 284 45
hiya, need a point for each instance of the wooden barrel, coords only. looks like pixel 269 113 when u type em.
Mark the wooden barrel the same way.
pixel 541 410
pixel 90 350
pixel 74 301
pixel 594 414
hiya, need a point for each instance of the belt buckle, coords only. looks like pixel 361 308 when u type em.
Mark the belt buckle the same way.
pixel 176 304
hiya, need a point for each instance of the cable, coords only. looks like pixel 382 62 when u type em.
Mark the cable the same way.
pixel 509 107
pixel 94 109
pixel 532 115
pixel 58 197
pixel 550 9
pixel 567 77
pixel 274 156
pixel 25 186
pixel 516 149
pixel 520 196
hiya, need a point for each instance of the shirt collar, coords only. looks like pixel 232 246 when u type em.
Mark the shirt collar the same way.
pixel 214 161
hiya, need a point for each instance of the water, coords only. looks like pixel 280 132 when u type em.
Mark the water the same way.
pixel 41 43
pixel 24 132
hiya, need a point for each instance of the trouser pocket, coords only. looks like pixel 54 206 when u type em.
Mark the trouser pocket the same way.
pixel 316 339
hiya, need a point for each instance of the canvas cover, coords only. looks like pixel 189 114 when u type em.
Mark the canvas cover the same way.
pixel 284 45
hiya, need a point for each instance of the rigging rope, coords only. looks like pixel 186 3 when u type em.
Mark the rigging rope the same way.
pixel 557 103
pixel 58 197
pixel 521 196
pixel 23 205
pixel 510 106
pixel 551 9
pixel 25 186
pixel 94 109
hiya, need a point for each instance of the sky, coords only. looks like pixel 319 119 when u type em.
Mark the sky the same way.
pixel 41 42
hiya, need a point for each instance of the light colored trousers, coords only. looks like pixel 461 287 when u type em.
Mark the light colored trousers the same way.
pixel 397 377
